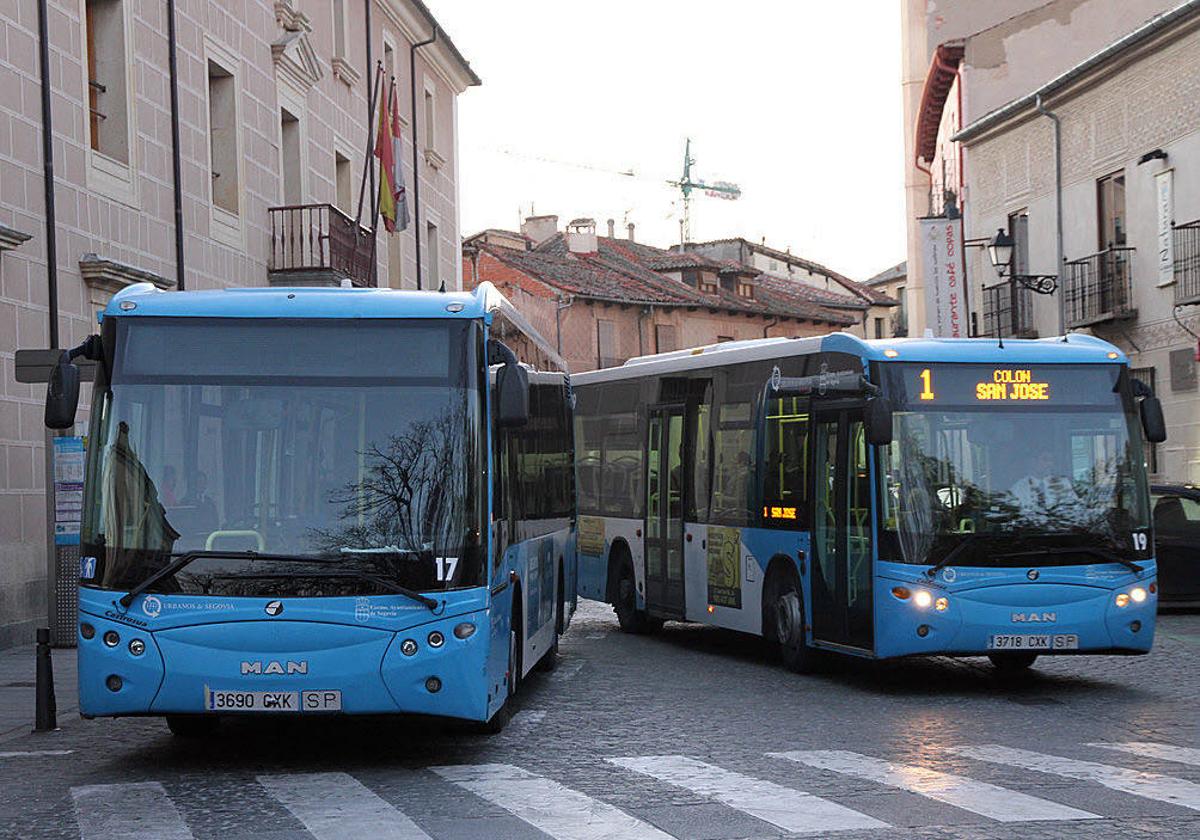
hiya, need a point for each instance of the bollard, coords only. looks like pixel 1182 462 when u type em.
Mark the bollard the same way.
pixel 46 719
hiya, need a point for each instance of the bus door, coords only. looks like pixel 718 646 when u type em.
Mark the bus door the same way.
pixel 664 510
pixel 841 579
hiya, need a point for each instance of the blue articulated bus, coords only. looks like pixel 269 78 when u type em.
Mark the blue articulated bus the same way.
pixel 874 498
pixel 313 501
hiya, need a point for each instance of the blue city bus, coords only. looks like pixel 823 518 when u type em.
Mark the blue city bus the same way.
pixel 319 500
pixel 874 498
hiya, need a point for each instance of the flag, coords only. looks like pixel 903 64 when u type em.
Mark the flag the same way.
pixel 399 194
pixel 384 150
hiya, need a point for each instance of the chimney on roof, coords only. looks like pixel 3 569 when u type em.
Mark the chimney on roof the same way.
pixel 540 228
pixel 581 236
pixel 629 227
pixel 612 228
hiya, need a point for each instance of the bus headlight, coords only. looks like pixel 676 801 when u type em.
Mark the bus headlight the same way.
pixel 112 638
pixel 1122 599
pixel 941 604
pixel 464 630
pixel 922 599
pixel 137 647
pixel 1137 594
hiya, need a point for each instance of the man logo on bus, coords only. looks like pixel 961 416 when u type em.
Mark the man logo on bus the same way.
pixel 275 667
pixel 1042 617
pixel 274 607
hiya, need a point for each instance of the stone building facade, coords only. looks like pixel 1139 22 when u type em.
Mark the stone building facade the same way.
pixel 273 112
pixel 1130 199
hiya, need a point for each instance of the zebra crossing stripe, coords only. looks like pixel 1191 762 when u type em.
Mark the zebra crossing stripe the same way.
pixel 1166 752
pixel 1148 785
pixel 335 805
pixel 129 811
pixel 558 811
pixel 981 798
pixel 789 809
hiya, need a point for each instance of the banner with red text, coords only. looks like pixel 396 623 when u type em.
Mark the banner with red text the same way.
pixel 945 277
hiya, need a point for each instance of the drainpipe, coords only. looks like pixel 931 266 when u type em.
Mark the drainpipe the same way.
pixel 412 81
pixel 1058 213
pixel 48 173
pixel 173 67
pixel 766 329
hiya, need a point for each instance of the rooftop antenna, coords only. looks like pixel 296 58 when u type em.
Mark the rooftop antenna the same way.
pixel 717 189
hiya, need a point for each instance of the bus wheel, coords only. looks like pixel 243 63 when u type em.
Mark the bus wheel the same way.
pixel 1012 663
pixel 783 622
pixel 192 726
pixel 631 619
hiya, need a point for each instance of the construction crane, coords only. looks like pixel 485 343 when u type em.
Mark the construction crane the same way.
pixel 716 189
pixel 686 184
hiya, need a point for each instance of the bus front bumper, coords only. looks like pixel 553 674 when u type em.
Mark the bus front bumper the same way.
pixel 1048 619
pixel 281 666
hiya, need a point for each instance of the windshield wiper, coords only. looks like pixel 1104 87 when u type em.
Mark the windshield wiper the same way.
pixel 1094 550
pixel 183 559
pixel 952 553
pixel 382 582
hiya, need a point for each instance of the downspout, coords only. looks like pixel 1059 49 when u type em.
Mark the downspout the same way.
pixel 412 81
pixel 177 177
pixel 48 173
pixel 1058 214
pixel 774 320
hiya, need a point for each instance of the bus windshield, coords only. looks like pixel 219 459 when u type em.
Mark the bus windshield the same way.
pixel 1012 466
pixel 344 450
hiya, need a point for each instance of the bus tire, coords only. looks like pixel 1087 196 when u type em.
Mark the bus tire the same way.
pixel 1016 662
pixel 631 619
pixel 784 619
pixel 192 726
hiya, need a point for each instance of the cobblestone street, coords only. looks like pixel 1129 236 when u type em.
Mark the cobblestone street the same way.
pixel 693 733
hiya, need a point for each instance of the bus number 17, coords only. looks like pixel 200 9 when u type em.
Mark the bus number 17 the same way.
pixel 445 567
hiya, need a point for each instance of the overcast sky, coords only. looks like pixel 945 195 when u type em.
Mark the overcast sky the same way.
pixel 797 102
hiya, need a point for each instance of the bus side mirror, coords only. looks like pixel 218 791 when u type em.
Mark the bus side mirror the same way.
pixel 62 393
pixel 878 421
pixel 1152 420
pixel 512 395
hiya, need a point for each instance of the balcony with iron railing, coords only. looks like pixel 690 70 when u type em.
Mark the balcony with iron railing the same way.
pixel 1008 311
pixel 1099 288
pixel 317 244
pixel 1186 242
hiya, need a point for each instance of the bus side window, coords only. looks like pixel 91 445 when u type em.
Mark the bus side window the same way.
pixel 701 441
pixel 785 479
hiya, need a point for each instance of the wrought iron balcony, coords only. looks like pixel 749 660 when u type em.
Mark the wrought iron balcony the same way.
pixel 1008 311
pixel 1187 262
pixel 1099 288
pixel 317 244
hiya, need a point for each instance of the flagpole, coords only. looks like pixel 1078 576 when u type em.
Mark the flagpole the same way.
pixel 375 202
pixel 362 188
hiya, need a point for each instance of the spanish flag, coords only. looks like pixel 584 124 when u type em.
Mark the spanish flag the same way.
pixel 393 200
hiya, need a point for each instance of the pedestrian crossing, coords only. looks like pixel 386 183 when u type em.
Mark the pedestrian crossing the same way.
pixel 793 793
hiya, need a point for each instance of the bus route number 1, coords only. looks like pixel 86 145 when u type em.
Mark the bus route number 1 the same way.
pixel 927 384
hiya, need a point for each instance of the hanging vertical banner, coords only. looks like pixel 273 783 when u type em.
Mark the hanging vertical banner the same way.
pixel 941 246
pixel 1164 202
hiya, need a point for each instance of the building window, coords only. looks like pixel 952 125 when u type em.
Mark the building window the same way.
pixel 1018 229
pixel 431 239
pixel 879 328
pixel 222 137
pixel 606 343
pixel 339 28
pixel 709 288
pixel 664 338
pixel 745 289
pixel 721 339
pixel 290 169
pixel 900 327
pixel 344 182
pixel 1146 376
pixel 430 120
pixel 1110 194
pixel 108 100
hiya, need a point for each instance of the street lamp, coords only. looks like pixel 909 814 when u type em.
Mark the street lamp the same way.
pixel 1000 252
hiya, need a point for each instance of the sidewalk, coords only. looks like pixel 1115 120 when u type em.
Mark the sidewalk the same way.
pixel 17 694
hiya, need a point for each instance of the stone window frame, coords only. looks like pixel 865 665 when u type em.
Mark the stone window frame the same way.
pixel 105 175
pixel 224 226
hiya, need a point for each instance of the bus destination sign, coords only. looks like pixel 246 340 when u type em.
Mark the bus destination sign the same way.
pixel 917 386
